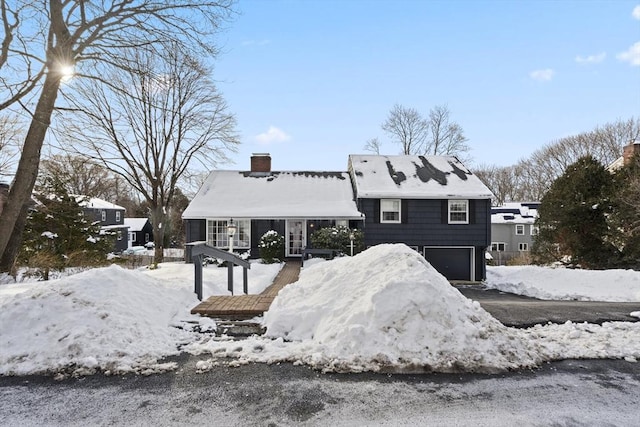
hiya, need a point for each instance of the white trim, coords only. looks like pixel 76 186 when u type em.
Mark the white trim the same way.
pixel 497 244
pixel 236 239
pixel 382 211
pixel 523 247
pixel 453 201
pixel 292 251
pixel 471 261
pixel 523 229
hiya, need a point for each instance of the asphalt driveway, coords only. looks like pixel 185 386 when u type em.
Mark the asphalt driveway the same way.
pixel 523 312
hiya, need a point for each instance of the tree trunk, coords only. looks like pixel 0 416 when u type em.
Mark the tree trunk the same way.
pixel 158 221
pixel 27 171
pixel 8 259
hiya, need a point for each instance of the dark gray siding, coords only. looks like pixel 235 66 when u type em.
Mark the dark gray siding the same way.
pixel 195 231
pixel 424 223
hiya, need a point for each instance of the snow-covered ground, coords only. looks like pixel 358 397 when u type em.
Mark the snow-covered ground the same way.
pixel 384 309
pixel 566 284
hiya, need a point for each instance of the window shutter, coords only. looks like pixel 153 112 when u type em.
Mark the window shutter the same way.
pixel 404 211
pixel 376 211
pixel 445 211
pixel 472 211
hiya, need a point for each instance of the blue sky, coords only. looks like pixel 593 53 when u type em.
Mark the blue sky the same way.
pixel 311 81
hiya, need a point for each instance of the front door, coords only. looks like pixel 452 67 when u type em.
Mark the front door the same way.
pixel 296 237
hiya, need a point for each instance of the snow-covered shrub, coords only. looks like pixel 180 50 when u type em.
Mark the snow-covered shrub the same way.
pixel 338 238
pixel 271 247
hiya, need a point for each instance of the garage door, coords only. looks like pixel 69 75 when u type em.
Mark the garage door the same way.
pixel 452 263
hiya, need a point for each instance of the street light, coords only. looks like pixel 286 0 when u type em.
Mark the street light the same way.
pixel 231 231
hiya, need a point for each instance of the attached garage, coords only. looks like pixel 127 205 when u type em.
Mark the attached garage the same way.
pixel 453 262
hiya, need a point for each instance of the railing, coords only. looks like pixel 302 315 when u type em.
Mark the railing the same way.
pixel 201 250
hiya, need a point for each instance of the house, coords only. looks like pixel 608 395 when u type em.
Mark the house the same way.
pixel 628 152
pixel 513 230
pixel 140 231
pixel 291 203
pixel 433 204
pixel 109 216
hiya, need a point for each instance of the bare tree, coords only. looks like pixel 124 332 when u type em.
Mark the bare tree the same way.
pixel 83 176
pixel 446 137
pixel 408 128
pixel 530 178
pixel 9 144
pixel 170 116
pixel 43 40
pixel 373 146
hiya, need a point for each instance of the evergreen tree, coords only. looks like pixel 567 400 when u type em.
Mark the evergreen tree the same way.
pixel 572 218
pixel 57 235
pixel 625 220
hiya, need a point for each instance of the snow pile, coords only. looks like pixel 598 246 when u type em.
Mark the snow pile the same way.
pixel 566 284
pixel 389 307
pixel 107 319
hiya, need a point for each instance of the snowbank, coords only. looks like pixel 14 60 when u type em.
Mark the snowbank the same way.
pixel 108 319
pixel 388 306
pixel 566 284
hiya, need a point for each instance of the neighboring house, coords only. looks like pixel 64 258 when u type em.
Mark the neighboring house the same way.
pixel 109 216
pixel 513 230
pixel 433 204
pixel 140 231
pixel 630 150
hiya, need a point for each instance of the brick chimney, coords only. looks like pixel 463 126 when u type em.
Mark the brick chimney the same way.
pixel 629 151
pixel 260 162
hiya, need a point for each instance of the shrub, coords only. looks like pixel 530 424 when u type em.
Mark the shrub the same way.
pixel 338 238
pixel 271 247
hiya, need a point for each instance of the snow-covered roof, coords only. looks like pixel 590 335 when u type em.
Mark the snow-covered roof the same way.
pixel 135 224
pixel 269 195
pixel 415 177
pixel 95 203
pixel 515 213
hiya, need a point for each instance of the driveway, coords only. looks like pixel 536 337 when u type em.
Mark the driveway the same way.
pixel 524 312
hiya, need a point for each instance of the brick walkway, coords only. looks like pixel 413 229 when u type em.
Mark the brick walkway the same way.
pixel 240 307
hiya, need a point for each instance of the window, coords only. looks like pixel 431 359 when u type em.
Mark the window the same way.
pixel 520 229
pixel 104 216
pixel 523 247
pixel 342 223
pixel 146 237
pixel 132 236
pixel 458 212
pixel 497 246
pixel 217 234
pixel 390 210
pixel 534 230
pixel 119 234
pixel 117 215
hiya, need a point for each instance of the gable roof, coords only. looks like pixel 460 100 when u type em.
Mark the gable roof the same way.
pixel 415 177
pixel 515 213
pixel 272 195
pixel 135 224
pixel 95 203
